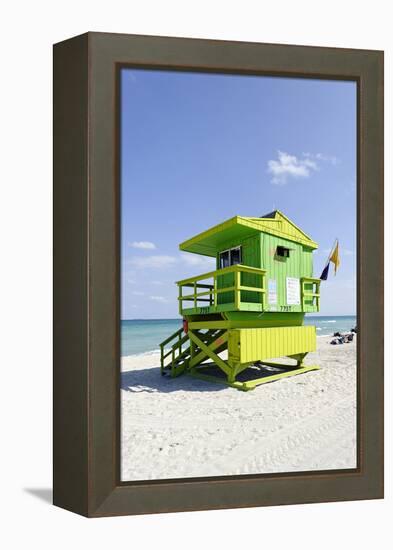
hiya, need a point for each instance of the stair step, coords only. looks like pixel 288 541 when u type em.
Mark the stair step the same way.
pixel 180 362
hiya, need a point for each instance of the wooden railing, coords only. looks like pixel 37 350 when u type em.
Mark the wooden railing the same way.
pixel 175 347
pixel 210 292
pixel 310 294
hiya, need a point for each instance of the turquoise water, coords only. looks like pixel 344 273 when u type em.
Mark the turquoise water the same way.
pixel 326 326
pixel 144 335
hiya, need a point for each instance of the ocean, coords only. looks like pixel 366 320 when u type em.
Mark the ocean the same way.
pixel 144 335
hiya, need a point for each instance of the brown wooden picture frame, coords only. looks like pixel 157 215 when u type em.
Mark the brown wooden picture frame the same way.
pixel 86 417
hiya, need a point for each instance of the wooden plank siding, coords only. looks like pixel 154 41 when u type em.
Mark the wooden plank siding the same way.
pixel 298 265
pixel 252 344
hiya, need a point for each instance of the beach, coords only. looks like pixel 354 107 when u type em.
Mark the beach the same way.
pixel 187 427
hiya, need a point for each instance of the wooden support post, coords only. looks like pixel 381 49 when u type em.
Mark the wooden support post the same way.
pixel 237 291
pixel 263 287
pixel 180 299
pixel 231 376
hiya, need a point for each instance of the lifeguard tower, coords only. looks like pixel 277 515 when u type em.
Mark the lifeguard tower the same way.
pixel 252 306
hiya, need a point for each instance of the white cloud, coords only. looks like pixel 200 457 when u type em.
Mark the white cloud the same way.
pixel 137 293
pixel 289 166
pixel 195 260
pixel 144 245
pixel 152 262
pixel 160 299
pixel 166 261
pixel 320 156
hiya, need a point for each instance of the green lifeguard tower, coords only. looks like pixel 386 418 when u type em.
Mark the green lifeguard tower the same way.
pixel 252 306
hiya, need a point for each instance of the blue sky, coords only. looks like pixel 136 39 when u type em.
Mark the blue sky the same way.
pixel 197 149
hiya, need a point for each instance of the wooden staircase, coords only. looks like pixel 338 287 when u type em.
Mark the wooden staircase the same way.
pixel 180 353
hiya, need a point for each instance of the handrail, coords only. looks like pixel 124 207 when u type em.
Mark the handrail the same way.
pixel 211 294
pixel 218 291
pixel 311 280
pixel 177 344
pixel 198 285
pixel 310 294
pixel 172 337
pixel 223 271
pixel 176 347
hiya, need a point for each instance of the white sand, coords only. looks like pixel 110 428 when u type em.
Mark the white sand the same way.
pixel 186 427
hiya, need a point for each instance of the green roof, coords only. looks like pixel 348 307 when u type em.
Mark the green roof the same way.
pixel 211 241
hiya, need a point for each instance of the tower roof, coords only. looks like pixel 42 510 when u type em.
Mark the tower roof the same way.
pixel 209 242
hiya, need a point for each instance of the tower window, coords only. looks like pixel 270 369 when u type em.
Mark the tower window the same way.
pixel 229 257
pixel 283 252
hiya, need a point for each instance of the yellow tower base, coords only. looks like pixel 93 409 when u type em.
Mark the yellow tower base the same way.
pixel 199 352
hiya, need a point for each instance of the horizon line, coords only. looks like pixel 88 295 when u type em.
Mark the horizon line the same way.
pixel 180 318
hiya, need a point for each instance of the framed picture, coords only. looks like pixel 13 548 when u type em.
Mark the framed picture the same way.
pixel 218 274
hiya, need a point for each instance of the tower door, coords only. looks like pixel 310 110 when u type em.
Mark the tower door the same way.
pixel 246 253
pixel 226 258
